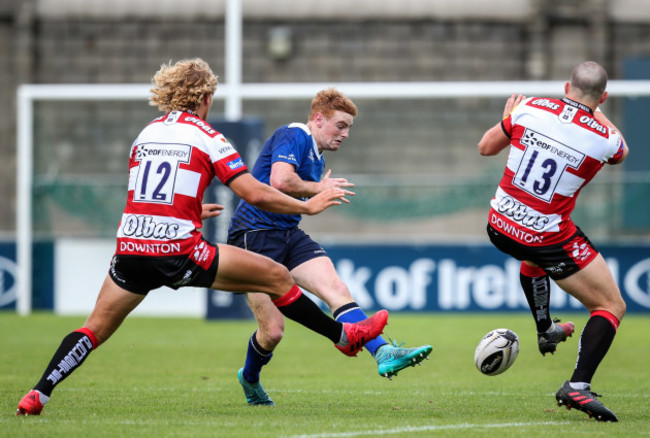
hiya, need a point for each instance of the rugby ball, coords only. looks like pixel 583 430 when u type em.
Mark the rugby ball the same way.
pixel 496 352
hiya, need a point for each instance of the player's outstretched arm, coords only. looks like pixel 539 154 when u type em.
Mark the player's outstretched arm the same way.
pixel 267 198
pixel 284 178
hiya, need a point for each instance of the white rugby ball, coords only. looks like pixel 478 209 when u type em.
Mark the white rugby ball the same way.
pixel 496 352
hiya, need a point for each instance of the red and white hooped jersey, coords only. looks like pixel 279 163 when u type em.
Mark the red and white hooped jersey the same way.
pixel 556 148
pixel 171 163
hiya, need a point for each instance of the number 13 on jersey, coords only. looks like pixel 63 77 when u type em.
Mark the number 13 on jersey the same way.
pixel 542 165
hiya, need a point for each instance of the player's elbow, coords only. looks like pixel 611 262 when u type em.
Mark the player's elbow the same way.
pixel 493 141
pixel 484 149
pixel 258 198
pixel 276 182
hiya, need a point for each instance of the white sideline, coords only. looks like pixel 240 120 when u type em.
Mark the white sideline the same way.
pixel 429 428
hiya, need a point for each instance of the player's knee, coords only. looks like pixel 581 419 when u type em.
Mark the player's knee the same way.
pixel 274 335
pixel 615 306
pixel 619 307
pixel 270 333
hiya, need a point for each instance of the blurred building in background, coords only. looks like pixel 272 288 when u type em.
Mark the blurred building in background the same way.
pixel 418 172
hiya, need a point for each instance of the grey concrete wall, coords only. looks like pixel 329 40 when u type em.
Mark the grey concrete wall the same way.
pixel 69 41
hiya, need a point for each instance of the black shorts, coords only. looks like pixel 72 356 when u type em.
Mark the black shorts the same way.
pixel 141 274
pixel 290 248
pixel 558 261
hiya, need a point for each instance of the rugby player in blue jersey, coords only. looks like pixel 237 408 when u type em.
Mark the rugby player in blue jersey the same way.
pixel 292 161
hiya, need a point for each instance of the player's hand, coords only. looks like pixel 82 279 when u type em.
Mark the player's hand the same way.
pixel 326 199
pixel 210 210
pixel 511 103
pixel 327 182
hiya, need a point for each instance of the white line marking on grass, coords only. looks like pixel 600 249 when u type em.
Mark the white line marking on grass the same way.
pixel 429 428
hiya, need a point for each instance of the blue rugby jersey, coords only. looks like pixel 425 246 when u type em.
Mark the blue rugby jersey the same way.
pixel 291 144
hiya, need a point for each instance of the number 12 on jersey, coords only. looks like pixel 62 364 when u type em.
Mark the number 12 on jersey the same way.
pixel 158 170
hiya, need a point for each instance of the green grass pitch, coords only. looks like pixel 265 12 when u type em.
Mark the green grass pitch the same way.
pixel 176 377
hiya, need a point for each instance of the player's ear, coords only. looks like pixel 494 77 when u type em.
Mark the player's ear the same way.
pixel 319 118
pixel 603 98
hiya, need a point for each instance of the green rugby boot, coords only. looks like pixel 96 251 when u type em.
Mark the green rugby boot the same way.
pixel 393 358
pixel 255 394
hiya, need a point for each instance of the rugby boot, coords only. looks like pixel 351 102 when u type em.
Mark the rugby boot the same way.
pixel 585 401
pixel 359 333
pixel 30 404
pixel 548 341
pixel 254 392
pixel 392 358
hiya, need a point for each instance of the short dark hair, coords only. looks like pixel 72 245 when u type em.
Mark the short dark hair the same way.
pixel 590 78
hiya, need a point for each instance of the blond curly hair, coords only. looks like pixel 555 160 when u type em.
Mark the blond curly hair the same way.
pixel 182 86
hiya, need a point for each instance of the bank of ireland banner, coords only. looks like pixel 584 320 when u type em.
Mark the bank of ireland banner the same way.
pixel 453 278
pixel 467 278
pixel 450 278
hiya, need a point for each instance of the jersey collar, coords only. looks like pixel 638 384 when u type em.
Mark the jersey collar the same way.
pixel 315 146
pixel 577 105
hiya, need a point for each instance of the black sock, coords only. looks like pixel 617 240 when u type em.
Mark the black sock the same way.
pixel 537 288
pixel 298 307
pixel 596 338
pixel 72 352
